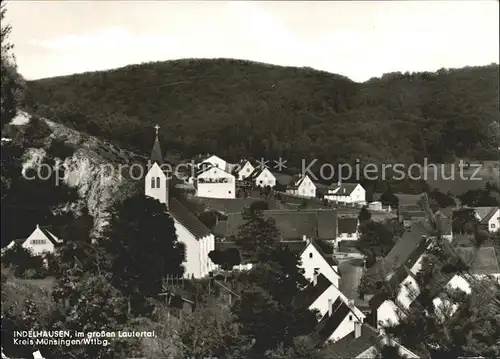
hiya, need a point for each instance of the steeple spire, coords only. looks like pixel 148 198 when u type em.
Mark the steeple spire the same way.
pixel 156 154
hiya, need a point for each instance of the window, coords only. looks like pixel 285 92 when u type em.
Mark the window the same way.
pixel 229 192
pixel 350 317
pixel 493 225
pixel 38 241
pixel 248 170
pixel 158 182
pixel 152 182
pixel 349 234
pixel 261 181
pixel 310 255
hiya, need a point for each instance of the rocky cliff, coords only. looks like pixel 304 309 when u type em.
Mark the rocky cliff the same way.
pixel 98 169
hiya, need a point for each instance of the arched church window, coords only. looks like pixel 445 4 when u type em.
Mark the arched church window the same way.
pixel 158 182
pixel 152 182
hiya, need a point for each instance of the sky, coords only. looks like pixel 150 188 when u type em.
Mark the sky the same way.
pixel 358 39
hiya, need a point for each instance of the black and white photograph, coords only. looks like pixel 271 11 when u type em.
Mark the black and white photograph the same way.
pixel 250 179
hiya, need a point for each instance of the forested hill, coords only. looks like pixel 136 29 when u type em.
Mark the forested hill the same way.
pixel 239 108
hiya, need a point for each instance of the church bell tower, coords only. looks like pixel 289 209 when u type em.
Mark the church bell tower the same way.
pixel 156 182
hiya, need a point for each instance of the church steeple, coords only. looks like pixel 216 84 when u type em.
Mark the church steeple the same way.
pixel 156 155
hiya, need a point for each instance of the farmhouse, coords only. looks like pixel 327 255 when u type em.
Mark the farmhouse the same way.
pixel 215 161
pixel 197 238
pixel 262 177
pixel 489 218
pixel 303 187
pixel 346 193
pixel 348 229
pixel 39 242
pixel 213 182
pixel 243 169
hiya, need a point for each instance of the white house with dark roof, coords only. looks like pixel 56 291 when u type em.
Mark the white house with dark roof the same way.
pixel 214 182
pixel 216 162
pixel 338 316
pixel 489 217
pixel 197 238
pixel 346 193
pixel 303 187
pixel 364 344
pixel 317 257
pixel 39 242
pixel 348 229
pixel 262 177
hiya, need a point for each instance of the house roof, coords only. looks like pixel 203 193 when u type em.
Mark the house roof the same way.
pixel 187 219
pixel 324 248
pixel 293 224
pixel 489 216
pixel 345 189
pixel 480 260
pixel 50 236
pixel 329 323
pixel 351 347
pixel 392 285
pixel 257 171
pixel 484 212
pixel 311 292
pixel 156 154
pixel 347 224
pixel 406 251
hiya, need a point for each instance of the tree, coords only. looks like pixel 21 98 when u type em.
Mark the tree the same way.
pixel 143 248
pixel 388 198
pixel 209 218
pixel 23 262
pixel 210 331
pixel 364 214
pixel 11 83
pixel 489 196
pixel 227 259
pixel 443 200
pixel 377 239
pixel 257 237
pixel 258 206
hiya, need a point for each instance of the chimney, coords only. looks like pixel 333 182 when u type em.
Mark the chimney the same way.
pixel 315 278
pixel 357 329
pixel 304 238
pixel 37 226
pixel 330 307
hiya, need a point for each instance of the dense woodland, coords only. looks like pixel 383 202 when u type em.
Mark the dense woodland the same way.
pixel 244 109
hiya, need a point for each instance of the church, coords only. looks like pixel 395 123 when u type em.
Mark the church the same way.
pixel 197 238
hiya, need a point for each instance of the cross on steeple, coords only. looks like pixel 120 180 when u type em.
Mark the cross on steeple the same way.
pixel 157 128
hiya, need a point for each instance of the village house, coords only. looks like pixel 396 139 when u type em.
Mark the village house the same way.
pixel 317 257
pixel 348 229
pixel 213 182
pixel 216 162
pixel 197 238
pixel 364 344
pixel 352 193
pixel 338 316
pixel 243 169
pixel 303 187
pixel 489 218
pixel 39 242
pixel 262 177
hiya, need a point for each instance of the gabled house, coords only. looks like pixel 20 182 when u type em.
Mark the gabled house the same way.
pixel 216 162
pixel 197 238
pixel 348 229
pixel 337 315
pixel 214 182
pixel 262 177
pixel 489 218
pixel 364 343
pixel 303 187
pixel 317 257
pixel 346 193
pixel 39 242
pixel 243 169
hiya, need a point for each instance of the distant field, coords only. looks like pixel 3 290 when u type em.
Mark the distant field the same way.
pixel 457 185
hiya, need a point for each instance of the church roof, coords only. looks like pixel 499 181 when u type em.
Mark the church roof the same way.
pixel 182 215
pixel 156 154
